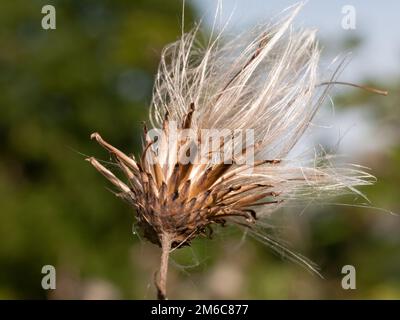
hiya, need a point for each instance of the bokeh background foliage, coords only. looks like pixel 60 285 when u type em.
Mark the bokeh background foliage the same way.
pixel 95 73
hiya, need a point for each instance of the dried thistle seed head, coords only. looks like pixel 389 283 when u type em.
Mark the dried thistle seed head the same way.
pixel 264 80
pixel 265 83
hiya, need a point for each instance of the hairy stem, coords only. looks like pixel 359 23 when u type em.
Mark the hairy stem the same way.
pixel 161 282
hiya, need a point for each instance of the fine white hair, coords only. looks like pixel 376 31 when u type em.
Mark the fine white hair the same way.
pixel 266 79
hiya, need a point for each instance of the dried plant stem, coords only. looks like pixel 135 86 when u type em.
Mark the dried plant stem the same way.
pixel 161 281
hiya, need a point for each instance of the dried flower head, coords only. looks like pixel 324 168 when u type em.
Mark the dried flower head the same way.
pixel 264 83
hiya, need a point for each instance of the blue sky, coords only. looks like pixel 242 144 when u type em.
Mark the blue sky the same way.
pixel 377 22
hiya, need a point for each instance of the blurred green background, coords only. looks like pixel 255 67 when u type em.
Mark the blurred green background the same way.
pixel 95 73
